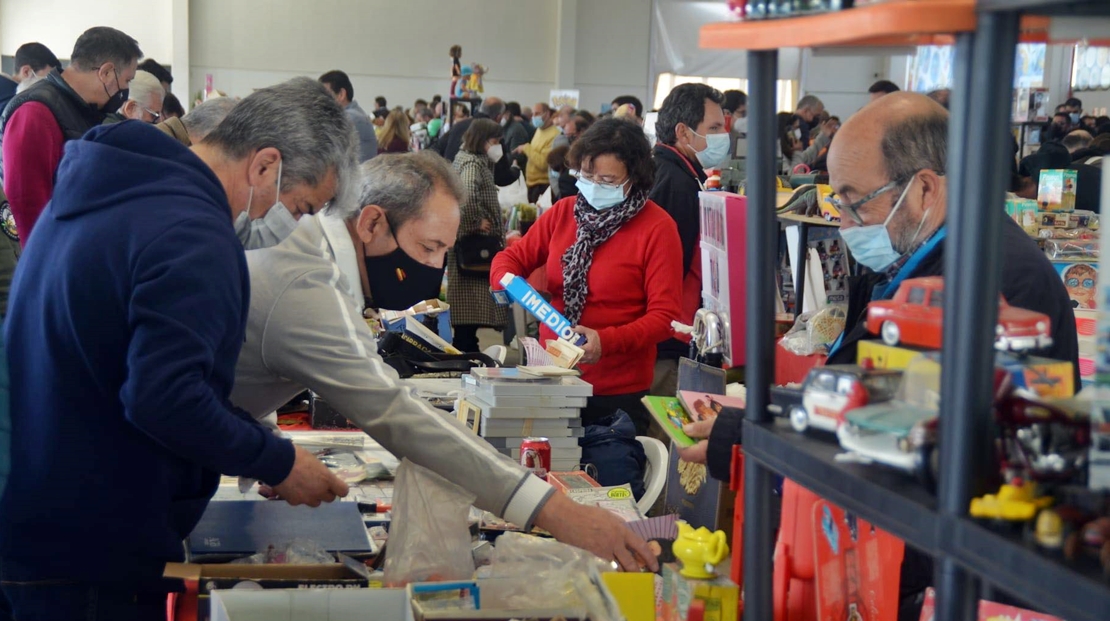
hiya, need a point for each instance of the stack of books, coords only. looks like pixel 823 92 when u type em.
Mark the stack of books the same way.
pixel 509 405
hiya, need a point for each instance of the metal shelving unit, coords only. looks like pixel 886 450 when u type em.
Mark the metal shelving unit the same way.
pixel 967 554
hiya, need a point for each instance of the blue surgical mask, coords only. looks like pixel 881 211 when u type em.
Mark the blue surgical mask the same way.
pixel 537 122
pixel 270 229
pixel 871 245
pixel 715 151
pixel 1074 116
pixel 601 196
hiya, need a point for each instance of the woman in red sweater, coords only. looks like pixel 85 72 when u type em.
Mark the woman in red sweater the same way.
pixel 614 266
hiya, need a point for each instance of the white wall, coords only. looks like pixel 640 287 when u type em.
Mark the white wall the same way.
pixel 613 48
pixel 395 49
pixel 58 23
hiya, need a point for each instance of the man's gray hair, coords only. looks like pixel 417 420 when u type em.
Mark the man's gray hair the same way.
pixel 493 108
pixel 301 119
pixel 401 184
pixel 203 119
pixel 810 102
pixel 143 87
pixel 916 143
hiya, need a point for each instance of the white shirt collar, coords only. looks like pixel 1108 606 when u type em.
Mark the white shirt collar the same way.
pixel 343 249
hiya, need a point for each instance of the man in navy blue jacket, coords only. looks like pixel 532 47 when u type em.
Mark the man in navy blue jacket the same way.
pixel 127 315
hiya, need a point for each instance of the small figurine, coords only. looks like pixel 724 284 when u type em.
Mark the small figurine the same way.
pixel 476 87
pixel 1017 501
pixel 699 550
pixel 456 66
pixel 462 86
pixel 1094 539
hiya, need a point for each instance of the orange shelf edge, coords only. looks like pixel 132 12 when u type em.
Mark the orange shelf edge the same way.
pixel 911 22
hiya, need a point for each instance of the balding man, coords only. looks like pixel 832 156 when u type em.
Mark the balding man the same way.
pixel 199 122
pixel 492 108
pixel 809 116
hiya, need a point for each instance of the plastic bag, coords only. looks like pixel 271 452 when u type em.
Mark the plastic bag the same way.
pixel 298 552
pixel 429 540
pixel 513 194
pixel 815 332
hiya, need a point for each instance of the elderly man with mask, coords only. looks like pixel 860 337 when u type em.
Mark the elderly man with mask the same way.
pixel 305 330
pixel 144 100
pixel 128 314
pixel 887 167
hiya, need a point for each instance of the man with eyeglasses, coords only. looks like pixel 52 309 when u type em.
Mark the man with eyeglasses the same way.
pixel 39 121
pixel 144 101
pixel 887 166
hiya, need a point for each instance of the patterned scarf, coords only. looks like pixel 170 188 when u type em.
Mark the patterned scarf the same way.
pixel 594 228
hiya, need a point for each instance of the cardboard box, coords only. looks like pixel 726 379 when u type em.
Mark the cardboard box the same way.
pixel 1044 376
pixel 453 601
pixel 1063 219
pixel 1056 191
pixel 721 595
pixel 202 580
pixel 1081 280
pixel 1024 212
pixel 305 605
pixel 884 356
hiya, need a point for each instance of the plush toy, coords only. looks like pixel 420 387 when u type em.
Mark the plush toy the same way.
pixel 462 85
pixel 456 66
pixel 477 71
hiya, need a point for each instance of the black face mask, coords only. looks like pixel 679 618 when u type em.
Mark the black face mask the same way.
pixel 115 102
pixel 397 281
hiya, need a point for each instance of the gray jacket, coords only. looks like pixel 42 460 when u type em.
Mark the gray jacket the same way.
pixel 367 139
pixel 305 330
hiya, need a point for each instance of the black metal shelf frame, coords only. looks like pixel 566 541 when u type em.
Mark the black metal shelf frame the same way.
pixel 966 553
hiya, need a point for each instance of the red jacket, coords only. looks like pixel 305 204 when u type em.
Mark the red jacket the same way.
pixel 635 287
pixel 33 145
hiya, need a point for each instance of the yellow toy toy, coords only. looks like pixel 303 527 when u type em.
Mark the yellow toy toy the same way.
pixel 699 550
pixel 1014 502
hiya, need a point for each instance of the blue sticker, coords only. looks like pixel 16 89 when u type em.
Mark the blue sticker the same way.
pixel 832 534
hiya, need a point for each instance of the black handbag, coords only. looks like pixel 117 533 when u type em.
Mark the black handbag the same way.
pixel 474 253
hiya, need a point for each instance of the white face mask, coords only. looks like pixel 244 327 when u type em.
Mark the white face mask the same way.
pixel 270 229
pixel 798 133
pixel 495 153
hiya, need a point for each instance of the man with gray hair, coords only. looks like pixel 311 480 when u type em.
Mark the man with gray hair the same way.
pixel 199 122
pixel 809 116
pixel 128 313
pixel 144 100
pixel 492 108
pixel 1077 140
pixel 305 330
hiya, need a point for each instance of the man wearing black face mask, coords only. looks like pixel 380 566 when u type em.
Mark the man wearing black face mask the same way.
pixel 39 121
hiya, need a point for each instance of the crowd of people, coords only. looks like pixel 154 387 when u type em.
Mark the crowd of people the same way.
pixel 145 347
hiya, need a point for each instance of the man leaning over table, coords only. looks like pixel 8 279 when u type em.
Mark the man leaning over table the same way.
pixel 306 330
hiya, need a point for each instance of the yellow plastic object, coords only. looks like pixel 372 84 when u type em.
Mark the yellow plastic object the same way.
pixel 635 594
pixel 698 549
pixel 1013 503
pixel 883 356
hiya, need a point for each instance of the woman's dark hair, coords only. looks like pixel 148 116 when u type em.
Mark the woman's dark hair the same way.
pixel 171 107
pixel 623 140
pixel 734 99
pixel 513 108
pixel 786 134
pixel 480 132
pixel 586 116
pixel 557 159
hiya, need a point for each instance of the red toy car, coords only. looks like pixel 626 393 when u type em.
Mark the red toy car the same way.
pixel 915 317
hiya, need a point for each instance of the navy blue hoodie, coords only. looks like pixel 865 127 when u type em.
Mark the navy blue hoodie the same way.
pixel 128 310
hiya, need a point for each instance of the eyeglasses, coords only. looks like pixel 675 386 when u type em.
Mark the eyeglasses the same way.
pixel 153 115
pixel 852 209
pixel 604 181
pixel 1088 283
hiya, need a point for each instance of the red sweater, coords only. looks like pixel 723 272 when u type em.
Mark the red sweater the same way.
pixel 635 288
pixel 33 145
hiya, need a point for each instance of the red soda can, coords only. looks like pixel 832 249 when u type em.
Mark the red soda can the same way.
pixel 535 454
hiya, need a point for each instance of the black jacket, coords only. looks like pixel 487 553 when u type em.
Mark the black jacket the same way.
pixel 1028 280
pixel 73 115
pixel 7 91
pixel 677 183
